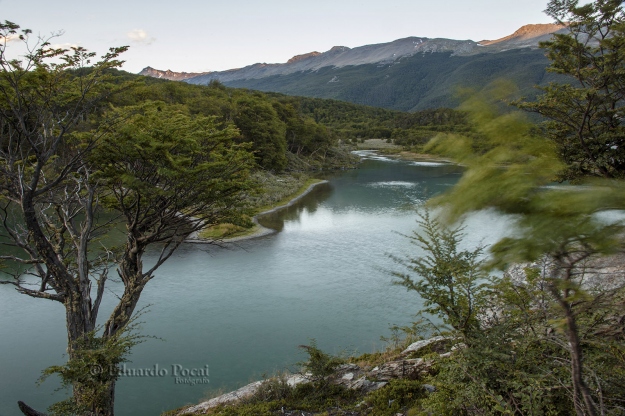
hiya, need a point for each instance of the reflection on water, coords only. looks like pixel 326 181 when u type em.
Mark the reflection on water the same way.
pixel 275 220
pixel 244 310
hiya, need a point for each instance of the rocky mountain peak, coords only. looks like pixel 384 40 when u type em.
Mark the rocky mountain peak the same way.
pixel 339 49
pixel 382 54
pixel 298 58
pixel 526 33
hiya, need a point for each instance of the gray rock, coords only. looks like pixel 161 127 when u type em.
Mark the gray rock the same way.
pixel 243 392
pixel 400 369
pixel 367 385
pixel 430 388
pixel 416 346
pixel 296 379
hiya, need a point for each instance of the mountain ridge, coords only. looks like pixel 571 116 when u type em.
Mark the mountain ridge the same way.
pixel 408 74
pixel 381 53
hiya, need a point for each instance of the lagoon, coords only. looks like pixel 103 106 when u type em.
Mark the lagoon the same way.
pixel 239 312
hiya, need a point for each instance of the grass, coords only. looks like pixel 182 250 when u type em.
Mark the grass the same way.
pixel 377 144
pixel 226 230
pixel 288 198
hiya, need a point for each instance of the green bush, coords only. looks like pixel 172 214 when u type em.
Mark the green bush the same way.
pixel 396 397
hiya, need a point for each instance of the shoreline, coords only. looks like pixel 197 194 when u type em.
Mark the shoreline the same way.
pixel 261 231
pixel 415 157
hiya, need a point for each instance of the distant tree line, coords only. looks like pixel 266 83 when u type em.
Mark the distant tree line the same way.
pixel 276 124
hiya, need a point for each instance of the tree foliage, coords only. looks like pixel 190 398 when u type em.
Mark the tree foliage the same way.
pixel 586 113
pixel 559 225
pixel 555 340
pixel 95 367
pixel 260 125
pixel 450 280
pixel 167 174
pixel 68 162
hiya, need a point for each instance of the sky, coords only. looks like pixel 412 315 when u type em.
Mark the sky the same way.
pixel 210 35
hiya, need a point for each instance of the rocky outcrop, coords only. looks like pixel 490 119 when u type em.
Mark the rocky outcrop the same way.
pixel 437 341
pixel 240 394
pixel 298 58
pixel 595 274
pixel 352 376
pixel 170 75
pixel 528 35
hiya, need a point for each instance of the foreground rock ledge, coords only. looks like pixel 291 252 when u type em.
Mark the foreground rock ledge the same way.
pixel 351 376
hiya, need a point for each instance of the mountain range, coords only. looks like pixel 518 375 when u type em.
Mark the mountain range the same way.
pixel 407 74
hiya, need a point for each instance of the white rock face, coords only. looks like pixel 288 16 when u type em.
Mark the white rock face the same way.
pixel 233 396
pixel 416 346
pixel 242 393
pixel 296 379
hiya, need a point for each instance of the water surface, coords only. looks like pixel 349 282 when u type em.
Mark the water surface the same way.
pixel 243 310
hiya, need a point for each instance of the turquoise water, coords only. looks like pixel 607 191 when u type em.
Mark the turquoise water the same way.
pixel 243 310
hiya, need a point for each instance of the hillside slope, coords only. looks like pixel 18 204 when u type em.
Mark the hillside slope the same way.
pixel 414 83
pixel 407 74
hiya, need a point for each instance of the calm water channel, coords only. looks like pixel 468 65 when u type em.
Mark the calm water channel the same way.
pixel 242 311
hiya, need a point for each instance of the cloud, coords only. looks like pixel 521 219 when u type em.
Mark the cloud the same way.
pixel 10 38
pixel 63 46
pixel 140 36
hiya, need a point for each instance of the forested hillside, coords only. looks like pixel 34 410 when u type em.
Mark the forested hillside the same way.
pixel 422 81
pixel 284 128
pixel 273 127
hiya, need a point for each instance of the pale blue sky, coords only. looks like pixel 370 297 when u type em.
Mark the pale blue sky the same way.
pixel 209 35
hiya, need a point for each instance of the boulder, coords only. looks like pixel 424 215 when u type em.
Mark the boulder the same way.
pixel 416 346
pixel 233 396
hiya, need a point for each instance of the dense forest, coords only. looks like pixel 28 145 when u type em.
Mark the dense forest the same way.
pixel 284 129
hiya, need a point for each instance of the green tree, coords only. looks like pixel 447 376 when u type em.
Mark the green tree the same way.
pixel 260 125
pixel 450 280
pixel 303 135
pixel 586 113
pixel 167 174
pixel 560 224
pixel 65 169
pixel 585 122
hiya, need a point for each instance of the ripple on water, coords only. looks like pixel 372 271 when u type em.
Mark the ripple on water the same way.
pixel 425 163
pixel 385 184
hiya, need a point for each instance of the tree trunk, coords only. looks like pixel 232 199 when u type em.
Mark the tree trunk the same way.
pixel 579 386
pixel 131 273
pixel 582 398
pixel 78 317
pixel 99 403
pixel 86 395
